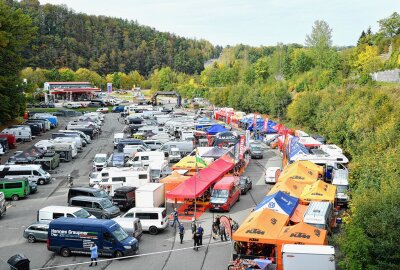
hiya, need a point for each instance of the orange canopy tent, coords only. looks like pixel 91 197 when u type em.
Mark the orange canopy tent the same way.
pixel 303 234
pixel 261 227
pixel 298 214
pixel 290 187
pixel 308 164
pixel 173 180
pixel 300 173
pixel 319 191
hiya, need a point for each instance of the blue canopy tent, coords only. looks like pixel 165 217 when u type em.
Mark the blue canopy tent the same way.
pixel 214 129
pixel 296 148
pixel 260 127
pixel 279 202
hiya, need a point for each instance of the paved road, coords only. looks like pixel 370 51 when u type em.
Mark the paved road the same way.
pixel 155 250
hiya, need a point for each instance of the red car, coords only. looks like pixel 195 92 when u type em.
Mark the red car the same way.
pixel 226 193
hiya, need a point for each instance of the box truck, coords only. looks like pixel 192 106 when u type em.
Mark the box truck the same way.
pixel 150 195
pixel 308 257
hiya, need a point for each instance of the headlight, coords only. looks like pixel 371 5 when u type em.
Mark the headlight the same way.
pixel 127 247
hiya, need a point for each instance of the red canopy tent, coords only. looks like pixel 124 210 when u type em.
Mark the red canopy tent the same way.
pixel 196 185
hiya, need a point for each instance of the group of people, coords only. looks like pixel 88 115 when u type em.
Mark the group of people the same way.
pixel 219 228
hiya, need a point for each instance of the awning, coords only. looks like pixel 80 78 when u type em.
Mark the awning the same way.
pixel 196 185
pixel 173 180
pixel 214 129
pixel 290 187
pixel 279 202
pixel 303 234
pixel 319 191
pixel 299 173
pixel 308 164
pixel 261 227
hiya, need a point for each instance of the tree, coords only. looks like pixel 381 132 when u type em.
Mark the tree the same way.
pixel 167 79
pixel 15 35
pixel 391 25
pixel 261 69
pixel 302 62
pixel 320 42
pixel 66 75
pixel 84 75
pixel 368 61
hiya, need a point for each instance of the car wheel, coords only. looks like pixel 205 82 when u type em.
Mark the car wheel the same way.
pixel 65 252
pixel 41 182
pixel 15 197
pixel 31 238
pixel 103 217
pixel 118 254
pixel 153 230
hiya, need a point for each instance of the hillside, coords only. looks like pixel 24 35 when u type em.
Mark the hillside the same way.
pixel 106 45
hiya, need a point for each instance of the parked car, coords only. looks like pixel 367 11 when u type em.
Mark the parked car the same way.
pixel 36 232
pixel 32 187
pixel 94 105
pixel 245 184
pixel 102 110
pixel 256 151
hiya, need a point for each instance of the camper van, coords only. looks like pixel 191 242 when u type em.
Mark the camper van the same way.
pixel 341 181
pixel 48 213
pixel 65 144
pixel 113 178
pixel 124 142
pixel 148 157
pixel 185 147
pixel 320 215
pixel 84 137
pixel 117 138
pixel 70 236
pixel 74 137
pixel 153 144
pixel 21 133
pixel 34 173
pixel 226 192
pixel 131 150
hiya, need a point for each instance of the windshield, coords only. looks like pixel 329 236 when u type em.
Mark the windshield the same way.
pixel 255 148
pixel 106 204
pixel 101 194
pixel 120 234
pixel 100 159
pixel 320 226
pixel 41 171
pixel 82 214
pixel 342 189
pixel 219 193
pixel 242 181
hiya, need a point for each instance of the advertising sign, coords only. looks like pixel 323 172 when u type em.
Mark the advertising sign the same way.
pixel 109 87
pixel 255 120
pixel 241 147
pixel 265 127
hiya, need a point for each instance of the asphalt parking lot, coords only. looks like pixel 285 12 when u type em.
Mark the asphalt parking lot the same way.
pixel 162 251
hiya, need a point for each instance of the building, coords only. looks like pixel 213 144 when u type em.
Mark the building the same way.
pixel 70 91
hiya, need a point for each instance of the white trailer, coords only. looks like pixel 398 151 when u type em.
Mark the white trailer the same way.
pixel 308 257
pixel 150 195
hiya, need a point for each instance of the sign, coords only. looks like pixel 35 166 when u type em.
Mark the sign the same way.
pixel 247 138
pixel 241 147
pixel 109 87
pixel 265 127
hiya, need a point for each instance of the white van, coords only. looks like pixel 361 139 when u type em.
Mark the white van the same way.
pixel 71 137
pixel 48 213
pixel 21 133
pixel 320 215
pixel 132 226
pixel 153 220
pixel 271 175
pixel 148 157
pixel 81 134
pixel 117 138
pixel 114 177
pixel 3 207
pixel 34 173
pixel 99 162
pixel 153 144
pixel 131 150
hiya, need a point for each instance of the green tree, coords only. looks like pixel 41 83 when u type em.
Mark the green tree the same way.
pixel 84 75
pixel 302 62
pixel 320 43
pixel 66 75
pixel 390 26
pixel 368 61
pixel 167 79
pixel 261 69
pixel 16 32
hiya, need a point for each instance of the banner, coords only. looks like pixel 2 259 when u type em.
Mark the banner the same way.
pixel 241 147
pixel 109 87
pixel 236 152
pixel 255 120
pixel 247 138
pixel 265 127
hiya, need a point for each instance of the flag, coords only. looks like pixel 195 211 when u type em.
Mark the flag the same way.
pixel 265 127
pixel 199 160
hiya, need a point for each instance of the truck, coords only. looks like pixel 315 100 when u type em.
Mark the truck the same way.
pixel 341 181
pixel 150 195
pixel 68 236
pixel 308 257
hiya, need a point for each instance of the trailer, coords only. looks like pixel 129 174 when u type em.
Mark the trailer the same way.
pixel 150 195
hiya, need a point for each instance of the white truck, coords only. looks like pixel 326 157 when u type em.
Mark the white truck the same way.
pixel 308 257
pixel 341 180
pixel 150 195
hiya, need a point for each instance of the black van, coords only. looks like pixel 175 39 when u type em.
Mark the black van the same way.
pixel 88 131
pixel 87 191
pixel 124 197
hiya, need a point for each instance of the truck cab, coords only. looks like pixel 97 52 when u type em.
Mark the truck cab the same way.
pixel 225 193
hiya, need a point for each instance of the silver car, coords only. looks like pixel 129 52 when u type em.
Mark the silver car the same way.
pixel 36 232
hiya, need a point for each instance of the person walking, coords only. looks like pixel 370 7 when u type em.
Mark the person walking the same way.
pixel 215 229
pixel 175 215
pixel 181 232
pixel 200 231
pixel 93 254
pixel 193 226
pixel 222 231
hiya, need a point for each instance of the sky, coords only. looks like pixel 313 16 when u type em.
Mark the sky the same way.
pixel 251 22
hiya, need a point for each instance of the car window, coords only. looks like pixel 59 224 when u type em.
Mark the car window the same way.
pixel 118 179
pixel 33 228
pixel 57 215
pixel 129 215
pixel 96 205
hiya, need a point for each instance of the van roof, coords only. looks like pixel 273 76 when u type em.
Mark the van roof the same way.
pixel 68 209
pixel 100 155
pixel 19 166
pixel 226 182
pixel 146 209
pixel 87 198
pixel 82 221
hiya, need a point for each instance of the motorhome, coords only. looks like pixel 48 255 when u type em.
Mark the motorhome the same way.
pixel 320 215
pixel 71 141
pixel 66 148
pixel 113 178
pixel 148 157
pixel 122 143
pixel 158 170
pixel 34 173
pixel 131 150
pixel 20 133
pixel 341 181
pixel 84 137
pixel 78 125
pixel 153 129
pixel 185 147
pixel 76 137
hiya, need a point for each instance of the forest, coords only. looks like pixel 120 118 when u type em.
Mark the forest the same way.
pixel 316 87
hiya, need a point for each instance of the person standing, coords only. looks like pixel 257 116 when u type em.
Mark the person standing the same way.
pixel 200 231
pixel 215 229
pixel 93 254
pixel 196 241
pixel 181 232
pixel 175 215
pixel 193 226
pixel 222 231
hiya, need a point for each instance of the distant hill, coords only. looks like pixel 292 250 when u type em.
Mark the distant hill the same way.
pixel 104 44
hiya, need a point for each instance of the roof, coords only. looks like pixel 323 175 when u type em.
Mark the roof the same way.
pixel 214 129
pixel 150 187
pixel 226 180
pixel 88 198
pixel 290 187
pixel 80 221
pixel 68 83
pixel 319 191
pixel 303 233
pixel 57 207
pixel 279 202
pixel 308 249
pixel 215 152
